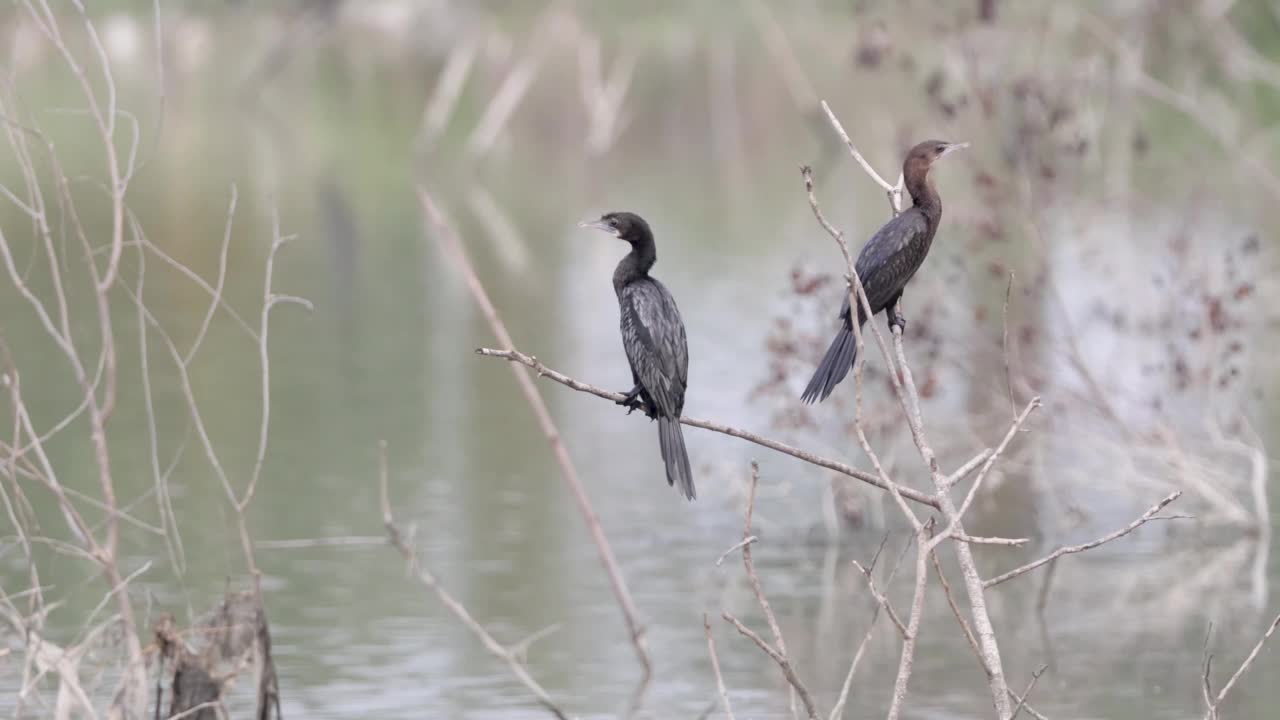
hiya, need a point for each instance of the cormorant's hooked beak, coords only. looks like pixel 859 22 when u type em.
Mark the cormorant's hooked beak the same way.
pixel 600 225
pixel 952 147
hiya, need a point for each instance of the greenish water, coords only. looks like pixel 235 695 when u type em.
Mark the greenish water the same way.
pixel 709 155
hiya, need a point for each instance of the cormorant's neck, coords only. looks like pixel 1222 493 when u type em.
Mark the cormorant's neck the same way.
pixel 637 262
pixel 924 195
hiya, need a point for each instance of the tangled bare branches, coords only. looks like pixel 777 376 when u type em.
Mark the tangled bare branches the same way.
pixel 86 340
pixel 977 627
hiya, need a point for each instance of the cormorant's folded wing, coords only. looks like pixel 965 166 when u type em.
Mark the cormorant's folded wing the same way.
pixel 654 337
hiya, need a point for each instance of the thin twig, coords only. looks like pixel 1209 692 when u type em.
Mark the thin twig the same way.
pixel 781 655
pixel 882 601
pixel 1206 685
pixel 1035 677
pixel 1004 344
pixel 740 544
pixel 907 659
pixel 715 665
pixel 837 712
pixel 894 192
pixel 216 295
pixel 991 461
pixel 963 471
pixel 1030 710
pixel 1253 655
pixel 955 610
pixel 1146 517
pixel 787 671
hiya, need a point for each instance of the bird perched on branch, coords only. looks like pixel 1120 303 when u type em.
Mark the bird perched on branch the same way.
pixel 654 339
pixel 886 263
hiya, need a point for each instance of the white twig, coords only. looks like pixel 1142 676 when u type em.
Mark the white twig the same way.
pixel 894 192
pixel 1146 517
pixel 837 712
pixel 740 544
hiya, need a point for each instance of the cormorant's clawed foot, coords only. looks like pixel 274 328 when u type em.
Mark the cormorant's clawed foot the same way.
pixel 631 401
pixel 897 320
pixel 631 404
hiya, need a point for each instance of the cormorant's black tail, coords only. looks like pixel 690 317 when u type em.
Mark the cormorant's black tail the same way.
pixel 834 366
pixel 675 456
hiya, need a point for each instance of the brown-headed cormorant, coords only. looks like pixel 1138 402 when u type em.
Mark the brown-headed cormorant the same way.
pixel 653 337
pixel 885 264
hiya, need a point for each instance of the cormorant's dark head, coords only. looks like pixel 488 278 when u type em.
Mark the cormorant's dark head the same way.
pixel 922 157
pixel 627 226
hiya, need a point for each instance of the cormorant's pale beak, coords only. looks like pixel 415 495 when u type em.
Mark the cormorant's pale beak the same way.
pixel 952 147
pixel 599 225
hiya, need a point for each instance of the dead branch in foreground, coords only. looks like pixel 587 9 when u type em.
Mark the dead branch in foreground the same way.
pixel 1212 712
pixel 779 654
pixel 715 666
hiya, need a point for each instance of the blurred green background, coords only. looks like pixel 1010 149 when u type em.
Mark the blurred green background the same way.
pixel 1123 167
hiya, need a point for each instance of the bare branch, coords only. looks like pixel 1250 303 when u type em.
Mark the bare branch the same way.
pixel 740 544
pixel 991 460
pixel 1030 710
pixel 781 655
pixel 534 364
pixel 837 712
pixel 894 192
pixel 216 294
pixel 907 659
pixel 1022 701
pixel 787 671
pixel 715 665
pixel 264 359
pixel 975 540
pixel 1206 685
pixel 1146 517
pixel 882 602
pixel 963 471
pixel 1253 655
pixel 955 610
pixel 1004 344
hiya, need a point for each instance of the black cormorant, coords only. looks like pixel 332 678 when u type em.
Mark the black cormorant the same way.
pixel 887 262
pixel 654 339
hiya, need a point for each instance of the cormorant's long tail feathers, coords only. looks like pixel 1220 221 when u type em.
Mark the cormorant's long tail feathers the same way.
pixel 675 456
pixel 834 366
